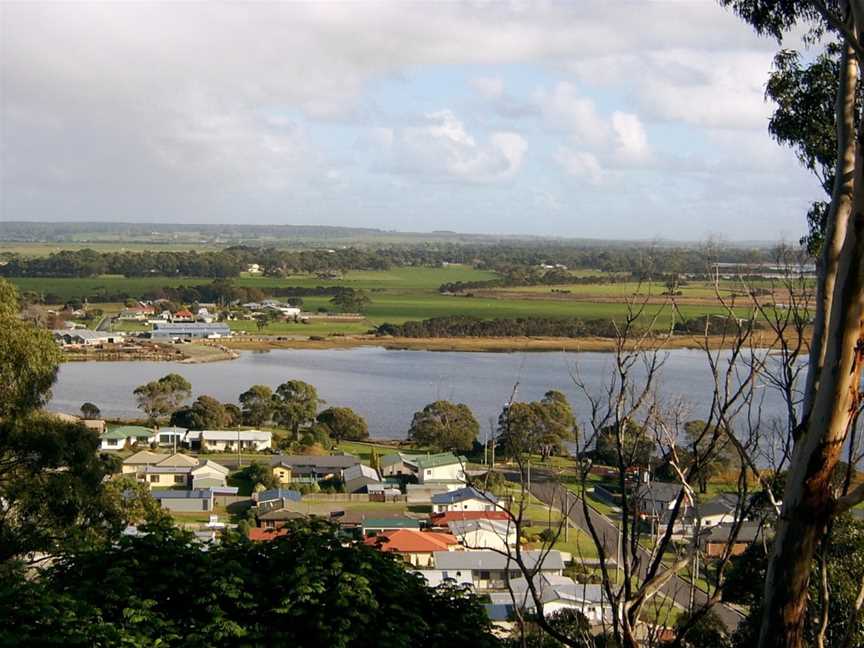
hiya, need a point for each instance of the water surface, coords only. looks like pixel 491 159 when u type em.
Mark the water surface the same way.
pixel 385 386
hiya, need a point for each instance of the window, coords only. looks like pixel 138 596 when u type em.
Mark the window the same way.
pixel 484 575
pixel 179 479
pixel 154 479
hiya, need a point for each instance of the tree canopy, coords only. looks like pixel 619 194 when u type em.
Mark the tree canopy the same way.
pixel 162 397
pixel 296 405
pixel 206 413
pixel 309 587
pixel 445 426
pixel 257 405
pixel 344 424
pixel 538 427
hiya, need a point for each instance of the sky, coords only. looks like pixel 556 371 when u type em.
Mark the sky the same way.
pixel 626 120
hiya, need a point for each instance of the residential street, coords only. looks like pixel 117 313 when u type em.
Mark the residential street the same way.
pixel 678 589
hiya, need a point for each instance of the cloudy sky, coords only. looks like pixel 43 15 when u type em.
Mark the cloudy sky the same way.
pixel 617 119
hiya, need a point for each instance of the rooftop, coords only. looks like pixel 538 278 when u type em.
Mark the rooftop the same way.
pixel 487 560
pixel 410 541
pixel 127 431
pixel 441 459
pixel 279 493
pixel 198 493
pixel 316 461
pixel 463 494
pixel 444 519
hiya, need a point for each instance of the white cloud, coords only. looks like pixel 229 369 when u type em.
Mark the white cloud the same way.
pixel 580 164
pixel 631 142
pixel 565 109
pixel 443 148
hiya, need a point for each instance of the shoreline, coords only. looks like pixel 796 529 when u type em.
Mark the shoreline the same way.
pixel 229 348
pixel 475 344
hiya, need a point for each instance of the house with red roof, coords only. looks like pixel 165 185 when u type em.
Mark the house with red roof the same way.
pixel 183 315
pixel 417 548
pixel 443 520
pixel 258 534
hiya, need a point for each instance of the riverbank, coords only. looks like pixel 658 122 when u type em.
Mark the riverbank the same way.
pixel 474 344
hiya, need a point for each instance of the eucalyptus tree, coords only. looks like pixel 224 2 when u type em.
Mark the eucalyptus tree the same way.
pixel 831 393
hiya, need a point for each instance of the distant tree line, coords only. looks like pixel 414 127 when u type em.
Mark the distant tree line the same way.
pixel 508 259
pixel 468 326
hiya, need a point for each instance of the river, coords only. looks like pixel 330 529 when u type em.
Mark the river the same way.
pixel 385 386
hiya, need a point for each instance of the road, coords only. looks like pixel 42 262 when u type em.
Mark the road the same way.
pixel 678 589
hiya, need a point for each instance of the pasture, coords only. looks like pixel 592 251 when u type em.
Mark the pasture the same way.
pixel 410 293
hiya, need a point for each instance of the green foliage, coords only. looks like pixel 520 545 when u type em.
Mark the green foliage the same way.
pixel 344 424
pixel 308 588
pixel 162 397
pixel 707 631
pixel 443 425
pixel 28 359
pixel 206 413
pixel 355 301
pixel 296 404
pixel 637 447
pixel 257 405
pixel 257 473
pixel 538 427
pixel 845 559
pixel 90 411
pixel 51 486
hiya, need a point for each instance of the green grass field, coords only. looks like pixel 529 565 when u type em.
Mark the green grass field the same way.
pixel 398 295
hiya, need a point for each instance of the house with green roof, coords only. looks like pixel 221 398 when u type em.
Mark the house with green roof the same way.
pixel 120 436
pixel 442 467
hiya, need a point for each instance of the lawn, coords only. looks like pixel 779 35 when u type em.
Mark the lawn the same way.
pixel 398 295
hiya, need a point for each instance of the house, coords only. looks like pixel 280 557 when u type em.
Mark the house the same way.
pixel 489 569
pixel 464 499
pixel 358 477
pixel 176 471
pixel 713 541
pixel 416 548
pixel 257 534
pixel 97 425
pixel 654 499
pixel 171 437
pixel 426 469
pixel 442 520
pixel 276 495
pixel 485 534
pixel 204 315
pixel 556 593
pixel 375 525
pixel 209 474
pixel 165 476
pixel 277 518
pixel 136 462
pixel 229 440
pixel 189 331
pixel 722 509
pixel 353 520
pixel 136 313
pixel 121 436
pixel 185 501
pixel 85 338
pixel 288 469
pixel 183 315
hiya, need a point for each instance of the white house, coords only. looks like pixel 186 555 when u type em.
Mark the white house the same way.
pixel 463 499
pixel 122 436
pixel 481 533
pixel 209 474
pixel 489 569
pixel 444 467
pixel 556 593
pixel 229 440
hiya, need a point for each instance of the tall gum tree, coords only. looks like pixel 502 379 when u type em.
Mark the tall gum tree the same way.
pixel 832 396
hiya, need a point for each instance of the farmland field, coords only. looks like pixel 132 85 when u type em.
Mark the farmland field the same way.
pixel 403 294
